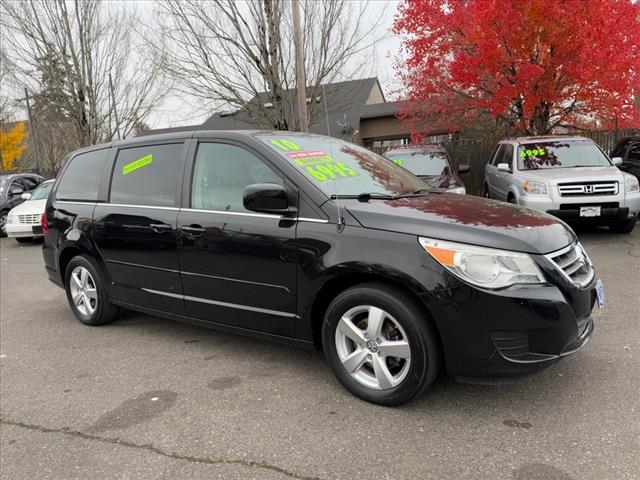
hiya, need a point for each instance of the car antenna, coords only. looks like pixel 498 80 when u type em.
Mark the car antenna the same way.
pixel 335 183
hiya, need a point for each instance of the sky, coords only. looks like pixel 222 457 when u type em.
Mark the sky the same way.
pixel 180 110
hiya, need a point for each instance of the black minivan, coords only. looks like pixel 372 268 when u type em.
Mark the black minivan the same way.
pixel 319 242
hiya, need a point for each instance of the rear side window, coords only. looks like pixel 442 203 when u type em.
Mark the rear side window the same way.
pixel 147 175
pixel 81 177
pixel 221 174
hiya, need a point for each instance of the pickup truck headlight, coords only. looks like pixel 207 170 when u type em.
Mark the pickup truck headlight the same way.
pixel 535 188
pixel 484 267
pixel 631 184
pixel 460 190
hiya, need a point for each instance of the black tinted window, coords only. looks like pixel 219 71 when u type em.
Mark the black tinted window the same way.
pixel 147 175
pixel 81 177
pixel 634 152
pixel 222 172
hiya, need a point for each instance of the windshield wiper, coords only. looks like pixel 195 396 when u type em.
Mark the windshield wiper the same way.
pixel 365 197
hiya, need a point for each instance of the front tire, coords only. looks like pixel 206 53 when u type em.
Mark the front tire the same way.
pixel 380 344
pixel 87 293
pixel 623 227
pixel 3 223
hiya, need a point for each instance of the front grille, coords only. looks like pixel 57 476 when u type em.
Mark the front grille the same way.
pixel 30 219
pixel 579 189
pixel 573 263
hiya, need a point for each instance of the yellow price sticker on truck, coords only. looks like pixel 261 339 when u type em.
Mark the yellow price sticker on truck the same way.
pixel 137 164
pixel 321 166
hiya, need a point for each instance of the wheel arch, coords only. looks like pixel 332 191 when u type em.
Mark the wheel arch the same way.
pixel 337 284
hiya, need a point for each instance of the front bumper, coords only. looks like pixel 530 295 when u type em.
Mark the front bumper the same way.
pixel 511 332
pixel 614 208
pixel 21 230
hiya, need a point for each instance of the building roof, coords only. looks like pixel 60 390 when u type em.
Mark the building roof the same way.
pixel 347 102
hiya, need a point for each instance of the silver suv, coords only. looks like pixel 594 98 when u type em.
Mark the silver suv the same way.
pixel 569 177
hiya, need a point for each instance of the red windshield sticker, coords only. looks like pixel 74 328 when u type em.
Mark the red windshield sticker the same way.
pixel 297 155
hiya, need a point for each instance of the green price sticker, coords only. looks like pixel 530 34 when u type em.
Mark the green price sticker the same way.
pixel 536 152
pixel 285 144
pixel 399 161
pixel 330 171
pixel 137 164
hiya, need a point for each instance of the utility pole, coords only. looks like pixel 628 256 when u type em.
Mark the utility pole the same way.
pixel 301 80
pixel 32 130
pixel 113 103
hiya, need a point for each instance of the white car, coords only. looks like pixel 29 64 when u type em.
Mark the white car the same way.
pixel 23 222
pixel 569 177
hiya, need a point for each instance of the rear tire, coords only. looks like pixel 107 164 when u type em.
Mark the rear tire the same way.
pixel 623 227
pixel 380 344
pixel 87 292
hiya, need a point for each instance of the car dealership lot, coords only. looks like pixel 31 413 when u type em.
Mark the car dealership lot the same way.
pixel 149 398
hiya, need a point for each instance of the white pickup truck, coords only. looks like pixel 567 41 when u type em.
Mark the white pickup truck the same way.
pixel 569 177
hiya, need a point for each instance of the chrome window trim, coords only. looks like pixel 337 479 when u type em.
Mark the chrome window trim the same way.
pixel 198 210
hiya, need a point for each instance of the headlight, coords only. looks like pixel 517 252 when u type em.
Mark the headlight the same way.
pixel 535 188
pixel 631 184
pixel 484 267
pixel 460 190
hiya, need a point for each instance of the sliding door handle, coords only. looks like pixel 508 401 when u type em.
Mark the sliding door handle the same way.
pixel 193 230
pixel 160 227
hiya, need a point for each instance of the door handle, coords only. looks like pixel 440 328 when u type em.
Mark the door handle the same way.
pixel 193 230
pixel 160 227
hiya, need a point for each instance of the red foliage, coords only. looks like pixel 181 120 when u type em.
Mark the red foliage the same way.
pixel 537 64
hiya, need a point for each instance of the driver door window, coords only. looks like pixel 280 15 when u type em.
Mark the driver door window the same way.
pixel 222 172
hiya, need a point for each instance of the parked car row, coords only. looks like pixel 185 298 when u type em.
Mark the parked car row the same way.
pixel 12 188
pixel 319 242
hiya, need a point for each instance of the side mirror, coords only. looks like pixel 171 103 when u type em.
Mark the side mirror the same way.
pixel 25 196
pixel 16 191
pixel 463 168
pixel 503 167
pixel 267 198
pixel 617 161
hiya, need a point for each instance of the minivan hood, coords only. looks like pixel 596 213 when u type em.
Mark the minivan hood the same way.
pixel 575 174
pixel 466 219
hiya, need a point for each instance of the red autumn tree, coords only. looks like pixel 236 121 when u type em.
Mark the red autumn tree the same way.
pixel 533 64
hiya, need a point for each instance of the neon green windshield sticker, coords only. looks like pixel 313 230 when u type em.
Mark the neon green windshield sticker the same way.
pixel 399 161
pixel 285 144
pixel 536 152
pixel 137 164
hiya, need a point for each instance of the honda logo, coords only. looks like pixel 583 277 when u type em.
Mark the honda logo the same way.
pixel 588 189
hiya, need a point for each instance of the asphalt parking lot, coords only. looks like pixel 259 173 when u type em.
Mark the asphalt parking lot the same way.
pixel 149 398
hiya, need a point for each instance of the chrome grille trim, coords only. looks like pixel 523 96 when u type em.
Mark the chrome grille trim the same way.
pixel 573 263
pixel 588 189
pixel 31 219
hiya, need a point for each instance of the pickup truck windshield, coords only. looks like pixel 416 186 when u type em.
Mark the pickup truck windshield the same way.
pixel 422 163
pixel 342 168
pixel 560 154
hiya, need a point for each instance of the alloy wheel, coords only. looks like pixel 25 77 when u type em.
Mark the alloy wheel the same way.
pixel 83 291
pixel 373 347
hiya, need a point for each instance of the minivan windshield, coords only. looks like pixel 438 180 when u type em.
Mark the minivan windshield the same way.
pixel 561 154
pixel 339 167
pixel 42 191
pixel 429 164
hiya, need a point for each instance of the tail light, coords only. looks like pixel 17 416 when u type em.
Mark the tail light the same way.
pixel 44 225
